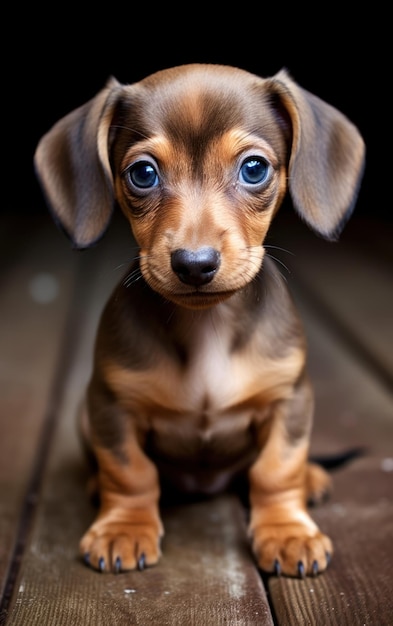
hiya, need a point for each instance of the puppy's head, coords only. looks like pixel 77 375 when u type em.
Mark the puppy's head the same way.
pixel 199 158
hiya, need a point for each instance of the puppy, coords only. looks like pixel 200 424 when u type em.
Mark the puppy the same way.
pixel 200 359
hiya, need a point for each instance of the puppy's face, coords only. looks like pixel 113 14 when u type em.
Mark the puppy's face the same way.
pixel 199 170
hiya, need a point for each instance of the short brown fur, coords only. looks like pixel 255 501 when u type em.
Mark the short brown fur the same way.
pixel 200 360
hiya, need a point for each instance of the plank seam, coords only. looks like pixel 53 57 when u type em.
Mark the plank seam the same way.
pixel 71 329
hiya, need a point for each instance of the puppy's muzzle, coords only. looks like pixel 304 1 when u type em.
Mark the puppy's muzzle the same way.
pixel 196 267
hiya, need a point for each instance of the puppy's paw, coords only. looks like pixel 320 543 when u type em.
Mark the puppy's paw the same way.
pixel 110 546
pixel 291 549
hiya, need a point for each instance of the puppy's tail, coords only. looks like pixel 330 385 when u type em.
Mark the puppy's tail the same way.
pixel 334 461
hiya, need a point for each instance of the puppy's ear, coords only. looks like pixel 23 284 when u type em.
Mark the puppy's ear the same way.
pixel 326 157
pixel 72 164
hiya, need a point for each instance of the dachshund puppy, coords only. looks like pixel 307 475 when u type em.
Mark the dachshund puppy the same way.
pixel 200 359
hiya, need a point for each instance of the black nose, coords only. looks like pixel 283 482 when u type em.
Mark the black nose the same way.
pixel 195 267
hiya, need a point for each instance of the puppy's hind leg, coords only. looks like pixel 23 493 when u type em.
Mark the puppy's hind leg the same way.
pixel 318 481
pixel 318 484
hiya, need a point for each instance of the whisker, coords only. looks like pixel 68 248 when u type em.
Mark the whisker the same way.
pixel 280 262
pixel 132 277
pixel 279 248
pixel 128 262
pixel 122 265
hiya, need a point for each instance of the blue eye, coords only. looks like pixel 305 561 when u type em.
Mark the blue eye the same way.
pixel 254 170
pixel 142 175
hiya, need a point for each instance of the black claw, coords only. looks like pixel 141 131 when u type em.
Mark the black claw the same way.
pixel 101 564
pixel 277 568
pixel 142 562
pixel 86 558
pixel 117 565
pixel 301 570
pixel 315 568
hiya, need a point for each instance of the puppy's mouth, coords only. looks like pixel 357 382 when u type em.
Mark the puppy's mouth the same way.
pixel 189 296
pixel 200 299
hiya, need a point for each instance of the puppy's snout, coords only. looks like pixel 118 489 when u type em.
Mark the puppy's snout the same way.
pixel 195 267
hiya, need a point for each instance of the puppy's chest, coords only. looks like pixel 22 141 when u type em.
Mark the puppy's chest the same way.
pixel 202 405
pixel 210 381
pixel 213 392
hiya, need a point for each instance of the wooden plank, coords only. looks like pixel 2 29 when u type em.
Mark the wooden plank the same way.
pixel 207 574
pixel 353 406
pixel 34 300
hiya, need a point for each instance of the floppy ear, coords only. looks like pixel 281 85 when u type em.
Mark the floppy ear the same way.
pixel 72 165
pixel 326 159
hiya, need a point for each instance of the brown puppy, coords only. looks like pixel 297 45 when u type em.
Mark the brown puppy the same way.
pixel 200 362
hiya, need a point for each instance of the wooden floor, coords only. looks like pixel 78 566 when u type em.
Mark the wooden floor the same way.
pixel 50 301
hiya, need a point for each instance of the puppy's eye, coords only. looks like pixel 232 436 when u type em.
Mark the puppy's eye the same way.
pixel 254 170
pixel 142 175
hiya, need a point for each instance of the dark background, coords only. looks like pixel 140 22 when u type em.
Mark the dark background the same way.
pixel 55 62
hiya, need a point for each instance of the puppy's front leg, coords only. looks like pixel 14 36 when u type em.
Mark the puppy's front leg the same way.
pixel 285 538
pixel 127 531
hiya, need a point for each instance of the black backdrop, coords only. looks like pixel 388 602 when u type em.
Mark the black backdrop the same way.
pixel 56 61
